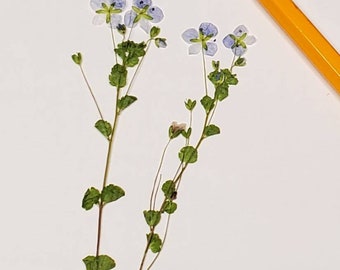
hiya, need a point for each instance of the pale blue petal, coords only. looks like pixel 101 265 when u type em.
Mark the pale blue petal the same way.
pixel 142 3
pixel 239 50
pixel 240 30
pixel 115 20
pixel 190 34
pixel 129 18
pixel 211 49
pixel 156 13
pixel 208 29
pixel 195 48
pixel 228 41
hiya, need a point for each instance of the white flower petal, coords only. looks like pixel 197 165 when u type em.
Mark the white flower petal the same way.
pixel 190 34
pixel 98 19
pixel 195 48
pixel 96 4
pixel 249 40
pixel 145 25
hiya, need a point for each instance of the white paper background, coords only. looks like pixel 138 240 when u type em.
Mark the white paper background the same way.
pixel 264 194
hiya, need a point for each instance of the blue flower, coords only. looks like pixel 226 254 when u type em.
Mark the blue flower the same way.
pixel 143 13
pixel 200 39
pixel 108 11
pixel 239 40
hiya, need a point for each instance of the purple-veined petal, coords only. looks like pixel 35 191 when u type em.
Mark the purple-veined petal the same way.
pixel 98 19
pixel 240 30
pixel 156 13
pixel 228 41
pixel 190 34
pixel 211 49
pixel 145 25
pixel 250 40
pixel 129 18
pixel 208 29
pixel 142 3
pixel 195 48
pixel 119 4
pixel 239 50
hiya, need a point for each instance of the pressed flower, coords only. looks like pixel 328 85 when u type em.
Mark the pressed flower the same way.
pixel 143 13
pixel 199 40
pixel 176 127
pixel 108 11
pixel 161 42
pixel 239 40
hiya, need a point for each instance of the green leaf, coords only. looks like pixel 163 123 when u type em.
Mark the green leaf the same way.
pixel 168 189
pixel 240 62
pixel 105 262
pixel 152 217
pixel 130 52
pixel 216 65
pixel 222 91
pixel 211 130
pixel 91 198
pixel 154 32
pixel 170 207
pixel 111 193
pixel 104 128
pixel 77 58
pixel 229 77
pixel 102 262
pixel 190 104
pixel 188 154
pixel 207 103
pixel 125 102
pixel 155 242
pixel 187 134
pixel 118 76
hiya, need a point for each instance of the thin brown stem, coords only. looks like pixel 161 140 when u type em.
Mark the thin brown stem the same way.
pixel 90 89
pixel 157 174
pixel 164 239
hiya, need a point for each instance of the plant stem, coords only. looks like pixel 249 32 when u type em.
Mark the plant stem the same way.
pixel 138 67
pixel 232 63
pixel 164 238
pixel 90 89
pixel 176 180
pixel 107 169
pixel 113 41
pixel 152 199
pixel 204 73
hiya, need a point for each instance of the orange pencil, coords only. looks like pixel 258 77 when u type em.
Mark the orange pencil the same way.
pixel 320 52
